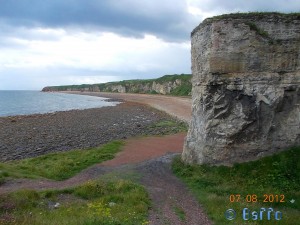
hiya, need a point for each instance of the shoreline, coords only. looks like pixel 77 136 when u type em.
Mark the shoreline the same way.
pixel 179 107
pixel 27 136
pixel 113 102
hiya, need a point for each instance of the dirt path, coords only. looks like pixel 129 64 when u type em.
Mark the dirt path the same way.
pixel 169 195
pixel 151 157
pixel 179 107
pixel 136 150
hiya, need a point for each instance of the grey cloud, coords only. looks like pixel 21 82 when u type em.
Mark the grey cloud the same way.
pixel 246 6
pixel 166 19
pixel 9 32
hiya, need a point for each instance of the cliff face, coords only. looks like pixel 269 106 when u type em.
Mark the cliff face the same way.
pixel 168 84
pixel 246 95
pixel 85 87
pixel 164 88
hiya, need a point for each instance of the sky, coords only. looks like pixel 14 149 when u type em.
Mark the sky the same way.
pixel 58 42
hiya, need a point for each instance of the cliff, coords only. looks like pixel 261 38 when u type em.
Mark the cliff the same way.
pixel 166 85
pixel 246 95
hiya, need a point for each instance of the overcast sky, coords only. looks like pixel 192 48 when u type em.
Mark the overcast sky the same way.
pixel 56 42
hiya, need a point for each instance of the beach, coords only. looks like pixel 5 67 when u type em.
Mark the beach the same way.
pixel 33 135
pixel 179 107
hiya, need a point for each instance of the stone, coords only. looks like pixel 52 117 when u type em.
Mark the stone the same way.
pixel 245 95
pixel 53 205
pixel 118 88
pixel 112 204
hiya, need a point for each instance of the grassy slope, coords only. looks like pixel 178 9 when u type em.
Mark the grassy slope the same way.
pixel 59 166
pixel 277 174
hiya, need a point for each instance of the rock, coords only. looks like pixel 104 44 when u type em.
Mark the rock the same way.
pixel 118 88
pixel 246 94
pixel 112 204
pixel 53 205
pixel 78 129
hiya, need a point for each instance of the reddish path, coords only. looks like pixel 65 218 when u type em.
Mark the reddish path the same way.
pixel 180 107
pixel 146 148
pixel 135 150
pixel 151 157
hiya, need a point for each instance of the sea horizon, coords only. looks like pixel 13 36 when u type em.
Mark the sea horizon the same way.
pixel 28 102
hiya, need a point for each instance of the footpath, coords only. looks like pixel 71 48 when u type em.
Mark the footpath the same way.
pixel 151 158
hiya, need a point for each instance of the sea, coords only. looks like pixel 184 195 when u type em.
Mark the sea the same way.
pixel 14 103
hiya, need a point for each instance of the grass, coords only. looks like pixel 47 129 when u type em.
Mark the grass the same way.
pixel 179 212
pixel 59 166
pixel 169 126
pixel 254 14
pixel 273 175
pixel 93 203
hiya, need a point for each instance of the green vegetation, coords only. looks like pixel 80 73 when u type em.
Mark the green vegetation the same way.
pixel 93 203
pixel 172 78
pixel 257 29
pixel 169 126
pixel 182 90
pixel 136 86
pixel 112 200
pixel 179 212
pixel 59 166
pixel 153 92
pixel 254 14
pixel 273 175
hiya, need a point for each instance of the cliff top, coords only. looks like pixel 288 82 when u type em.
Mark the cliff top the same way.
pixel 253 16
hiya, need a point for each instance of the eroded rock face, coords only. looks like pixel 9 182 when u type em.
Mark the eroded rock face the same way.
pixel 246 92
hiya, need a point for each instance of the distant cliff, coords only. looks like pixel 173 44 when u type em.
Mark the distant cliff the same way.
pixel 179 85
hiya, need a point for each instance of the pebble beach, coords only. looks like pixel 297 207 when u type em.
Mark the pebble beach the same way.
pixel 33 135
